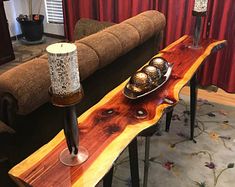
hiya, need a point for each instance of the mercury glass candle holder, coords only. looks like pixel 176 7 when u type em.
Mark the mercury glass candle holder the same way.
pixel 66 92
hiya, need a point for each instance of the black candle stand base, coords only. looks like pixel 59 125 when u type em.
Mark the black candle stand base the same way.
pixel 71 159
pixel 74 154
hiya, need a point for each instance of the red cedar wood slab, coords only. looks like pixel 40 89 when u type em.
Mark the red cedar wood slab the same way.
pixel 106 135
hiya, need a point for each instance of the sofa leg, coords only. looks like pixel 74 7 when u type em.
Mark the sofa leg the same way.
pixel 8 108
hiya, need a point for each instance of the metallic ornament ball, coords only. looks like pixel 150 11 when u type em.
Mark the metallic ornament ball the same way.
pixel 159 63
pixel 153 72
pixel 140 80
pixel 134 88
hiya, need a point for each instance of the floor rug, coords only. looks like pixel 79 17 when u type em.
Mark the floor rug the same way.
pixel 24 52
pixel 176 161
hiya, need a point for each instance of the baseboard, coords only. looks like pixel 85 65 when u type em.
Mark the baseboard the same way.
pixel 46 34
pixel 54 35
pixel 16 37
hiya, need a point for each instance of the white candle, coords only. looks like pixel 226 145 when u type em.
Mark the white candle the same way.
pixel 63 66
pixel 200 5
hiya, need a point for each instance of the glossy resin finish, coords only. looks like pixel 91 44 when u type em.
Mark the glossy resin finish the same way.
pixel 110 125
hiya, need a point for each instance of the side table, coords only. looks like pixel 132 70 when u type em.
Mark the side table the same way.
pixel 108 127
pixel 166 53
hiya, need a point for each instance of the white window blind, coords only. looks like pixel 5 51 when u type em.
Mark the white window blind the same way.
pixel 54 11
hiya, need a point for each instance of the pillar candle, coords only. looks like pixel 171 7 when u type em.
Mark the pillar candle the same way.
pixel 63 66
pixel 200 6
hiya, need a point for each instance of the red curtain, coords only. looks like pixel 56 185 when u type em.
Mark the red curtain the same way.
pixel 218 24
pixel 220 68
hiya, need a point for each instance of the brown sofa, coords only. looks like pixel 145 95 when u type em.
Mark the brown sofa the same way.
pixel 105 59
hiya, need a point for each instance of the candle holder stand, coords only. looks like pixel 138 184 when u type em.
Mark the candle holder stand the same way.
pixel 199 11
pixel 66 92
pixel 74 154
pixel 197 33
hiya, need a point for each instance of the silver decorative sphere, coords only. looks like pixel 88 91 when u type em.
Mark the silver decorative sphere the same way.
pixel 153 72
pixel 159 63
pixel 140 81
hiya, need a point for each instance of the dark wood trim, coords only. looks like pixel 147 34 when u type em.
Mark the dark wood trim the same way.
pixel 6 50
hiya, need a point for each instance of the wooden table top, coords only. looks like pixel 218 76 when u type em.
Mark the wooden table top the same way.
pixel 109 126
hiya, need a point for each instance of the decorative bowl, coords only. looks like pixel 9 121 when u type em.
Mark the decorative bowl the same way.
pixel 148 79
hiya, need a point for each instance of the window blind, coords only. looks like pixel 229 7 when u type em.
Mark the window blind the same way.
pixel 54 11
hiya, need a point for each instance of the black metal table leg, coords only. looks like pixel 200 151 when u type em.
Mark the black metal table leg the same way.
pixel 193 105
pixel 108 178
pixel 134 166
pixel 169 113
pixel 146 160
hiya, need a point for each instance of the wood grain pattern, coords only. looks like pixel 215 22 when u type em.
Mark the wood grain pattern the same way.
pixel 109 126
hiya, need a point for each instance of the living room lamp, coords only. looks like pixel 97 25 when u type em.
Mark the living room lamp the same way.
pixel 199 11
pixel 66 92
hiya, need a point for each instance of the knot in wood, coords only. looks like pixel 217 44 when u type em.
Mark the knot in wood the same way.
pixel 112 128
pixel 141 113
pixel 108 112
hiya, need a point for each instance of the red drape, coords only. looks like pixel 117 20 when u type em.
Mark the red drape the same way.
pixel 219 24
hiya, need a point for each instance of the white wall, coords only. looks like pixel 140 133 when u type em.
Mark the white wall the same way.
pixel 15 7
pixel 57 29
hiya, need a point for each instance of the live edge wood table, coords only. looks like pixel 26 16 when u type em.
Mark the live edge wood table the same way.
pixel 108 127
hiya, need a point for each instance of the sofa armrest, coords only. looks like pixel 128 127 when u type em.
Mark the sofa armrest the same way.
pixel 28 83
pixel 8 108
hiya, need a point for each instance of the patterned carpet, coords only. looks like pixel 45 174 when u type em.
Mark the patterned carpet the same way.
pixel 25 52
pixel 176 161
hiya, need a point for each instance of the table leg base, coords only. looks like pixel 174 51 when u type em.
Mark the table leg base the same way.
pixel 134 166
pixel 72 160
pixel 146 161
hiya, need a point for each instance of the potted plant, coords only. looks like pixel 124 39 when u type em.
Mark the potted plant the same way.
pixel 32 24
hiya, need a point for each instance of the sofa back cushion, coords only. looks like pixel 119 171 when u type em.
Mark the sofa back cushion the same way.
pixel 29 82
pixel 85 27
